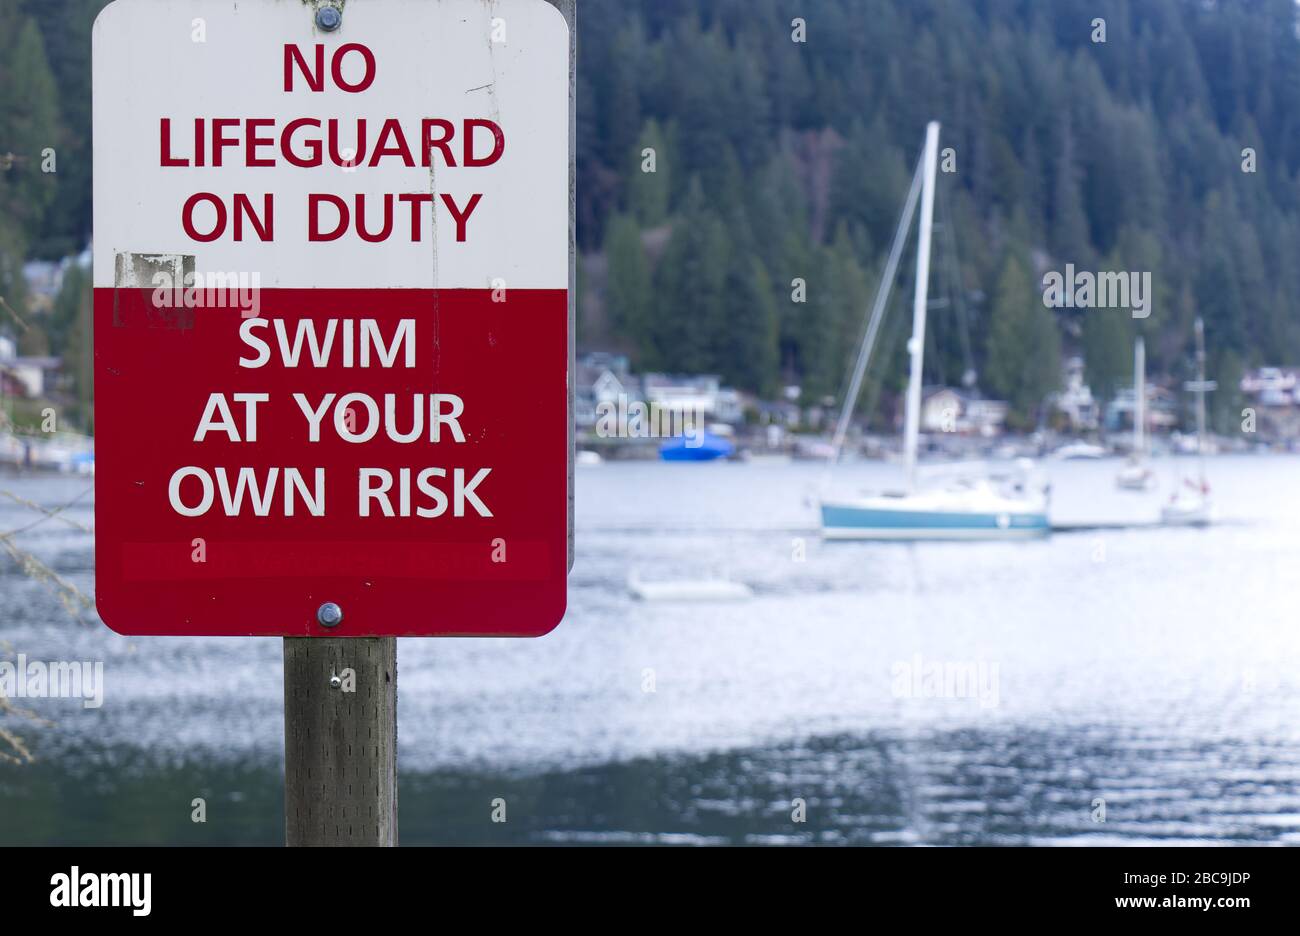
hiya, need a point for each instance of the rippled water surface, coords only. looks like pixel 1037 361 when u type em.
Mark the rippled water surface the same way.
pixel 1147 673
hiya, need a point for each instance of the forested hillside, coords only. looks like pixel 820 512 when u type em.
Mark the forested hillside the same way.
pixel 778 160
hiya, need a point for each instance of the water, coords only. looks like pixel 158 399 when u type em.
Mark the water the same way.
pixel 1152 669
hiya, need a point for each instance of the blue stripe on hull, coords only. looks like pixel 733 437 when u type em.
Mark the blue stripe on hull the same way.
pixel 865 523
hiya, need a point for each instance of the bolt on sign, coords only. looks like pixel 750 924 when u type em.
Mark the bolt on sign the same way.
pixel 332 321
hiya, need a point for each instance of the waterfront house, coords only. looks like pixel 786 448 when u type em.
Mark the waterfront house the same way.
pixel 1075 400
pixel 600 377
pixel 702 393
pixel 1162 410
pixel 1272 386
pixel 946 409
pixel 1273 393
pixel 26 376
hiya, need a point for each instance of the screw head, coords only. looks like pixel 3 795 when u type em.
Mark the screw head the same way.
pixel 329 18
pixel 329 614
pixel 335 681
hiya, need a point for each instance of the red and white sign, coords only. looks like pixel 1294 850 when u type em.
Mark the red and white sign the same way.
pixel 331 307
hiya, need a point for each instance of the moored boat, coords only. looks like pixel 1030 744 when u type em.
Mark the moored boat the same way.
pixel 1190 504
pixel 706 446
pixel 981 507
pixel 977 510
pixel 1137 474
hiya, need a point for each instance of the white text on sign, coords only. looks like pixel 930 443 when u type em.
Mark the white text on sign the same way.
pixel 354 418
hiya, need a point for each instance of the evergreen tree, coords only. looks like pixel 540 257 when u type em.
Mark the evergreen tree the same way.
pixel 78 360
pixel 1107 351
pixel 28 122
pixel 1128 155
pixel 627 292
pixel 1069 225
pixel 65 26
pixel 750 348
pixel 1024 344
pixel 28 125
pixel 649 182
pixel 618 92
pixel 690 290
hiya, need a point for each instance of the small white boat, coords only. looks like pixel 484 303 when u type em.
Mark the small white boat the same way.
pixel 1080 450
pixel 1189 506
pixel 707 589
pixel 1137 474
pixel 587 459
pixel 1190 503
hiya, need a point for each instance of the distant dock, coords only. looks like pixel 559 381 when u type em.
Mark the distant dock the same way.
pixel 1090 526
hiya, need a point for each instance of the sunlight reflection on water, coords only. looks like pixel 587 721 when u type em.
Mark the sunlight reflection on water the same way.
pixel 1154 669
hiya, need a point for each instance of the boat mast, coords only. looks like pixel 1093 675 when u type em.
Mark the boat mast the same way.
pixel 916 346
pixel 1200 397
pixel 1201 387
pixel 1139 397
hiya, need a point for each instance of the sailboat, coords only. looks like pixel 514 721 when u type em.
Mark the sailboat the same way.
pixel 1137 474
pixel 974 507
pixel 1190 503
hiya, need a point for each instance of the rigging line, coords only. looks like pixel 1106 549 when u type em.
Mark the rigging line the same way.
pixel 34 568
pixel 892 338
pixel 16 317
pixel 934 356
pixel 877 313
pixel 953 265
pixel 54 514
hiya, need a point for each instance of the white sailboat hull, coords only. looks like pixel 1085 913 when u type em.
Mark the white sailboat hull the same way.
pixel 1135 478
pixel 937 515
pixel 1187 509
pixel 938 533
pixel 1196 517
pixel 1190 505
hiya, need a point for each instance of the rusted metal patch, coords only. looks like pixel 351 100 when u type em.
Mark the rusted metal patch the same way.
pixel 151 272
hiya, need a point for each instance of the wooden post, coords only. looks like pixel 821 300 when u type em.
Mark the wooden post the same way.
pixel 340 741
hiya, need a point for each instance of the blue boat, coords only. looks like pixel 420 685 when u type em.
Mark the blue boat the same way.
pixel 702 447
